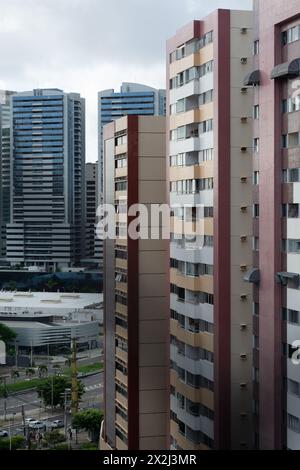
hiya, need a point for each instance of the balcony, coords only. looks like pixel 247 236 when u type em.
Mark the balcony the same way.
pixel 201 283
pixel 202 340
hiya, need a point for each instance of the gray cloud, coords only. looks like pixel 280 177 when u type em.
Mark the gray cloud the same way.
pixel 88 45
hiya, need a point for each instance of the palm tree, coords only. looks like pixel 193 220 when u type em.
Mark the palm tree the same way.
pixel 29 372
pixel 43 370
pixel 15 374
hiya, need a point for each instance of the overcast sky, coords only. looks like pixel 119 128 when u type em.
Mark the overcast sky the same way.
pixel 90 45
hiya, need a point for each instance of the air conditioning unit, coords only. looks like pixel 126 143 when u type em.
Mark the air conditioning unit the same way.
pixel 243 267
pixel 244 90
pixel 243 326
pixel 243 297
pixel 243 238
pixel 244 119
pixel 243 385
pixel 243 149
pixel 243 356
pixel 244 60
pixel 243 415
pixel 244 179
pixel 243 208
pixel 244 30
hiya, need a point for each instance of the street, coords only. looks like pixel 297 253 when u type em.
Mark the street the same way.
pixel 93 397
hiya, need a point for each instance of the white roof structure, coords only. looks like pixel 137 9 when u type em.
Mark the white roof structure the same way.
pixel 48 302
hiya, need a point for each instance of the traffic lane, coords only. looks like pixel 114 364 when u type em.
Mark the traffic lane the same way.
pixel 31 401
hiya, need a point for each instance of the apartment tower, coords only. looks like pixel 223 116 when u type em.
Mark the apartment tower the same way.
pixel 209 140
pixel 275 77
pixel 47 226
pixel 136 323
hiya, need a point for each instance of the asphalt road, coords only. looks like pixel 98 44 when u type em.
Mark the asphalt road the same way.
pixel 93 397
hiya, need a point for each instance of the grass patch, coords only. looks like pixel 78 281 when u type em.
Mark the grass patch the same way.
pixel 86 369
pixel 21 386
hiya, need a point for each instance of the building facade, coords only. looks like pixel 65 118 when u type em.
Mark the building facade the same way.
pixel 276 226
pixel 209 152
pixel 47 192
pixel 5 123
pixel 136 324
pixel 91 191
pixel 133 98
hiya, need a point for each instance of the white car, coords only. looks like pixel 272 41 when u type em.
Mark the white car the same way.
pixel 36 425
pixel 3 433
pixel 29 420
pixel 58 423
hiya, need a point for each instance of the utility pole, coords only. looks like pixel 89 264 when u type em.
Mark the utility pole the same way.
pixel 52 393
pixel 74 404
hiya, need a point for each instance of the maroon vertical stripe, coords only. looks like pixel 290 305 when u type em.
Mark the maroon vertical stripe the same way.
pixel 222 273
pixel 133 289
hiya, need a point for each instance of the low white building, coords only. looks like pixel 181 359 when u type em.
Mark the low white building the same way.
pixel 43 319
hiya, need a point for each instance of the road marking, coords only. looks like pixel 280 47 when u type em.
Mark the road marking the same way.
pixel 93 387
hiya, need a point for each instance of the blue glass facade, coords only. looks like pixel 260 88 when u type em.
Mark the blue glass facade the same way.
pixel 48 157
pixel 132 99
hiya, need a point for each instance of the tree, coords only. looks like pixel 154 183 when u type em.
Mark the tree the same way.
pixel 15 374
pixel 17 442
pixel 54 437
pixel 43 371
pixel 90 421
pixel 29 372
pixel 6 334
pixel 59 385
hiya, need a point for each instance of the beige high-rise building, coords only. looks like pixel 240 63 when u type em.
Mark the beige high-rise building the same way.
pixel 136 316
pixel 209 135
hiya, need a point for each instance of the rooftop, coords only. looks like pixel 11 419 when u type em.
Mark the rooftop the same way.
pixel 53 300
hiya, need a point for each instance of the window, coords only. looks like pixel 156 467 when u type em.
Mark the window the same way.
pixel 206 155
pixel 293 211
pixel 256 111
pixel 284 141
pixel 294 246
pixel 206 97
pixel 293 387
pixel 256 177
pixel 256 144
pixel 255 243
pixel 256 47
pixel 293 423
pixel 291 35
pixel 206 126
pixel 293 316
pixel 256 210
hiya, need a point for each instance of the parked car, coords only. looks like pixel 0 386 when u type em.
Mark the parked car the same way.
pixel 48 425
pixel 58 423
pixel 3 433
pixel 36 425
pixel 29 420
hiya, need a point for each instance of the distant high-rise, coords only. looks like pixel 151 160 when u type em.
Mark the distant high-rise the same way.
pixel 133 98
pixel 47 192
pixel 5 122
pixel 93 245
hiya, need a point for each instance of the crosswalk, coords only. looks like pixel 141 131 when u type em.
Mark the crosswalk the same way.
pixel 89 388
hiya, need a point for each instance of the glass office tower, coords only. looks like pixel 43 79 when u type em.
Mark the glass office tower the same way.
pixel 47 191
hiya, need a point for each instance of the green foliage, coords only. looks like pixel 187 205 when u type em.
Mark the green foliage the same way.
pixel 6 333
pixel 90 421
pixel 59 384
pixel 54 437
pixel 61 447
pixel 89 446
pixel 30 372
pixel 17 442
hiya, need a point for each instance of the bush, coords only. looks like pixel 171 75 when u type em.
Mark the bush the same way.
pixel 61 447
pixel 17 442
pixel 88 446
pixel 54 437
